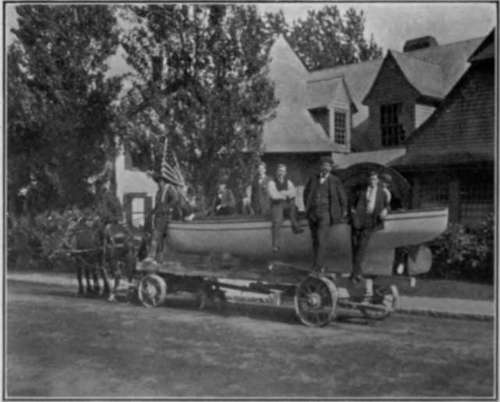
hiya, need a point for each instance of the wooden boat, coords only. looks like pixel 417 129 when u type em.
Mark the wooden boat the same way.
pixel 250 238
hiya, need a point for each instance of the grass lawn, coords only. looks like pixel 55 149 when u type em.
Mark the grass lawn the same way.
pixel 441 288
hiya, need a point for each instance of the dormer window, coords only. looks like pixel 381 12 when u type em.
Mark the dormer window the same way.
pixel 340 127
pixel 321 115
pixel 391 127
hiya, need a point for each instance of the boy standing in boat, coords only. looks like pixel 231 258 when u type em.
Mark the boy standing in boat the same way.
pixel 369 211
pixel 282 193
pixel 325 202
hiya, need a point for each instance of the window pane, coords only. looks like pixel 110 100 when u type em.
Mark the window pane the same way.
pixel 340 127
pixel 391 129
pixel 138 205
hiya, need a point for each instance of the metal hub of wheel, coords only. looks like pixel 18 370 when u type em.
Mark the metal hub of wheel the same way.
pixel 152 290
pixel 315 301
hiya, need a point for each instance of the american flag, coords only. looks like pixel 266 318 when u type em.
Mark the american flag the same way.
pixel 170 168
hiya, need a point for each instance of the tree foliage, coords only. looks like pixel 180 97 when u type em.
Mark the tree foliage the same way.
pixel 325 38
pixel 60 110
pixel 202 82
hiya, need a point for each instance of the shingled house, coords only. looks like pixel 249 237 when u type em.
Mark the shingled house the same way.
pixel 450 158
pixel 361 112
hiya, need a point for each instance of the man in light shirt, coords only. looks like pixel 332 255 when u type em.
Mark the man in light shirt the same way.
pixel 370 209
pixel 282 193
pixel 257 200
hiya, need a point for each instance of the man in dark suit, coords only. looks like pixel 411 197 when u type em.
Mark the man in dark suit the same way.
pixel 325 203
pixel 370 208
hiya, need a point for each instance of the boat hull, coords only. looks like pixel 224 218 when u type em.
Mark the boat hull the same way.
pixel 251 238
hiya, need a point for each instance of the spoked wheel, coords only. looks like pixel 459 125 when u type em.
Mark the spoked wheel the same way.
pixel 315 301
pixel 385 301
pixel 152 290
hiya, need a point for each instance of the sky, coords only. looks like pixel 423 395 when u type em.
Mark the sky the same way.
pixel 393 23
pixel 390 23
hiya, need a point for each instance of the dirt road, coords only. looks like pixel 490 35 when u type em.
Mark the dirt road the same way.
pixel 59 345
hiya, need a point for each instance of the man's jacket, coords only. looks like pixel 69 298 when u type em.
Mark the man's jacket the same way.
pixel 337 198
pixel 361 219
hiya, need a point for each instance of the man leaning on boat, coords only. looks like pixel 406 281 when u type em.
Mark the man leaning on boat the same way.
pixel 325 203
pixel 369 211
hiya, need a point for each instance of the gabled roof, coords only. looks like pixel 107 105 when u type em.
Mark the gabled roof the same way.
pixel 320 93
pixel 358 78
pixel 451 57
pixel 293 130
pixel 425 77
pixel 455 133
pixel 486 50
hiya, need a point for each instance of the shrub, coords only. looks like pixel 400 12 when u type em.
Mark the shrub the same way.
pixel 465 253
pixel 33 244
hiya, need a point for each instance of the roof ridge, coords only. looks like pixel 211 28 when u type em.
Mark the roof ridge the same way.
pixel 346 65
pixel 449 43
pixel 335 77
pixel 405 54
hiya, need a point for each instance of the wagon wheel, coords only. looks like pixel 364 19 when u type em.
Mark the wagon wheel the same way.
pixel 385 302
pixel 315 301
pixel 152 290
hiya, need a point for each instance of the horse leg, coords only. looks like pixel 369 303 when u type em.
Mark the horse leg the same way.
pixel 105 279
pixel 95 277
pixel 87 278
pixel 79 278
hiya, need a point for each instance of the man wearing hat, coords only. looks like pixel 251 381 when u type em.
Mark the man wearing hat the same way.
pixel 325 202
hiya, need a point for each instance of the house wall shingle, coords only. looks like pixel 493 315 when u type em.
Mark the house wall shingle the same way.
pixel 466 119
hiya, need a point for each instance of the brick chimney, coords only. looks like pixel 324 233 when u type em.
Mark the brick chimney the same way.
pixel 419 43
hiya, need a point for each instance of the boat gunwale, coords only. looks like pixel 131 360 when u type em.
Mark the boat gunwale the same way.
pixel 263 223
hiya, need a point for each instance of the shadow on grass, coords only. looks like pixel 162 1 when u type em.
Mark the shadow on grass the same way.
pixel 185 302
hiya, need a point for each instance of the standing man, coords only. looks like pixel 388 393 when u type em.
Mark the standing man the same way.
pixel 282 193
pixel 325 203
pixel 109 207
pixel 257 199
pixel 166 204
pixel 369 211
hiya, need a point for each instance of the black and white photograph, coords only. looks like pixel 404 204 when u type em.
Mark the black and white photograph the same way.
pixel 250 200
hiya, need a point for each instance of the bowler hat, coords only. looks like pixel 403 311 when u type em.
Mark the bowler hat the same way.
pixel 326 159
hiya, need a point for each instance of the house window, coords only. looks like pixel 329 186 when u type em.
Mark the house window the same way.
pixel 321 116
pixel 340 121
pixel 138 216
pixel 138 208
pixel 390 125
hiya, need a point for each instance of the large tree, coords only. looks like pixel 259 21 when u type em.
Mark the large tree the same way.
pixel 325 38
pixel 201 82
pixel 60 110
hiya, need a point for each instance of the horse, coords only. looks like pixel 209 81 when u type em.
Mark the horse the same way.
pixel 86 241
